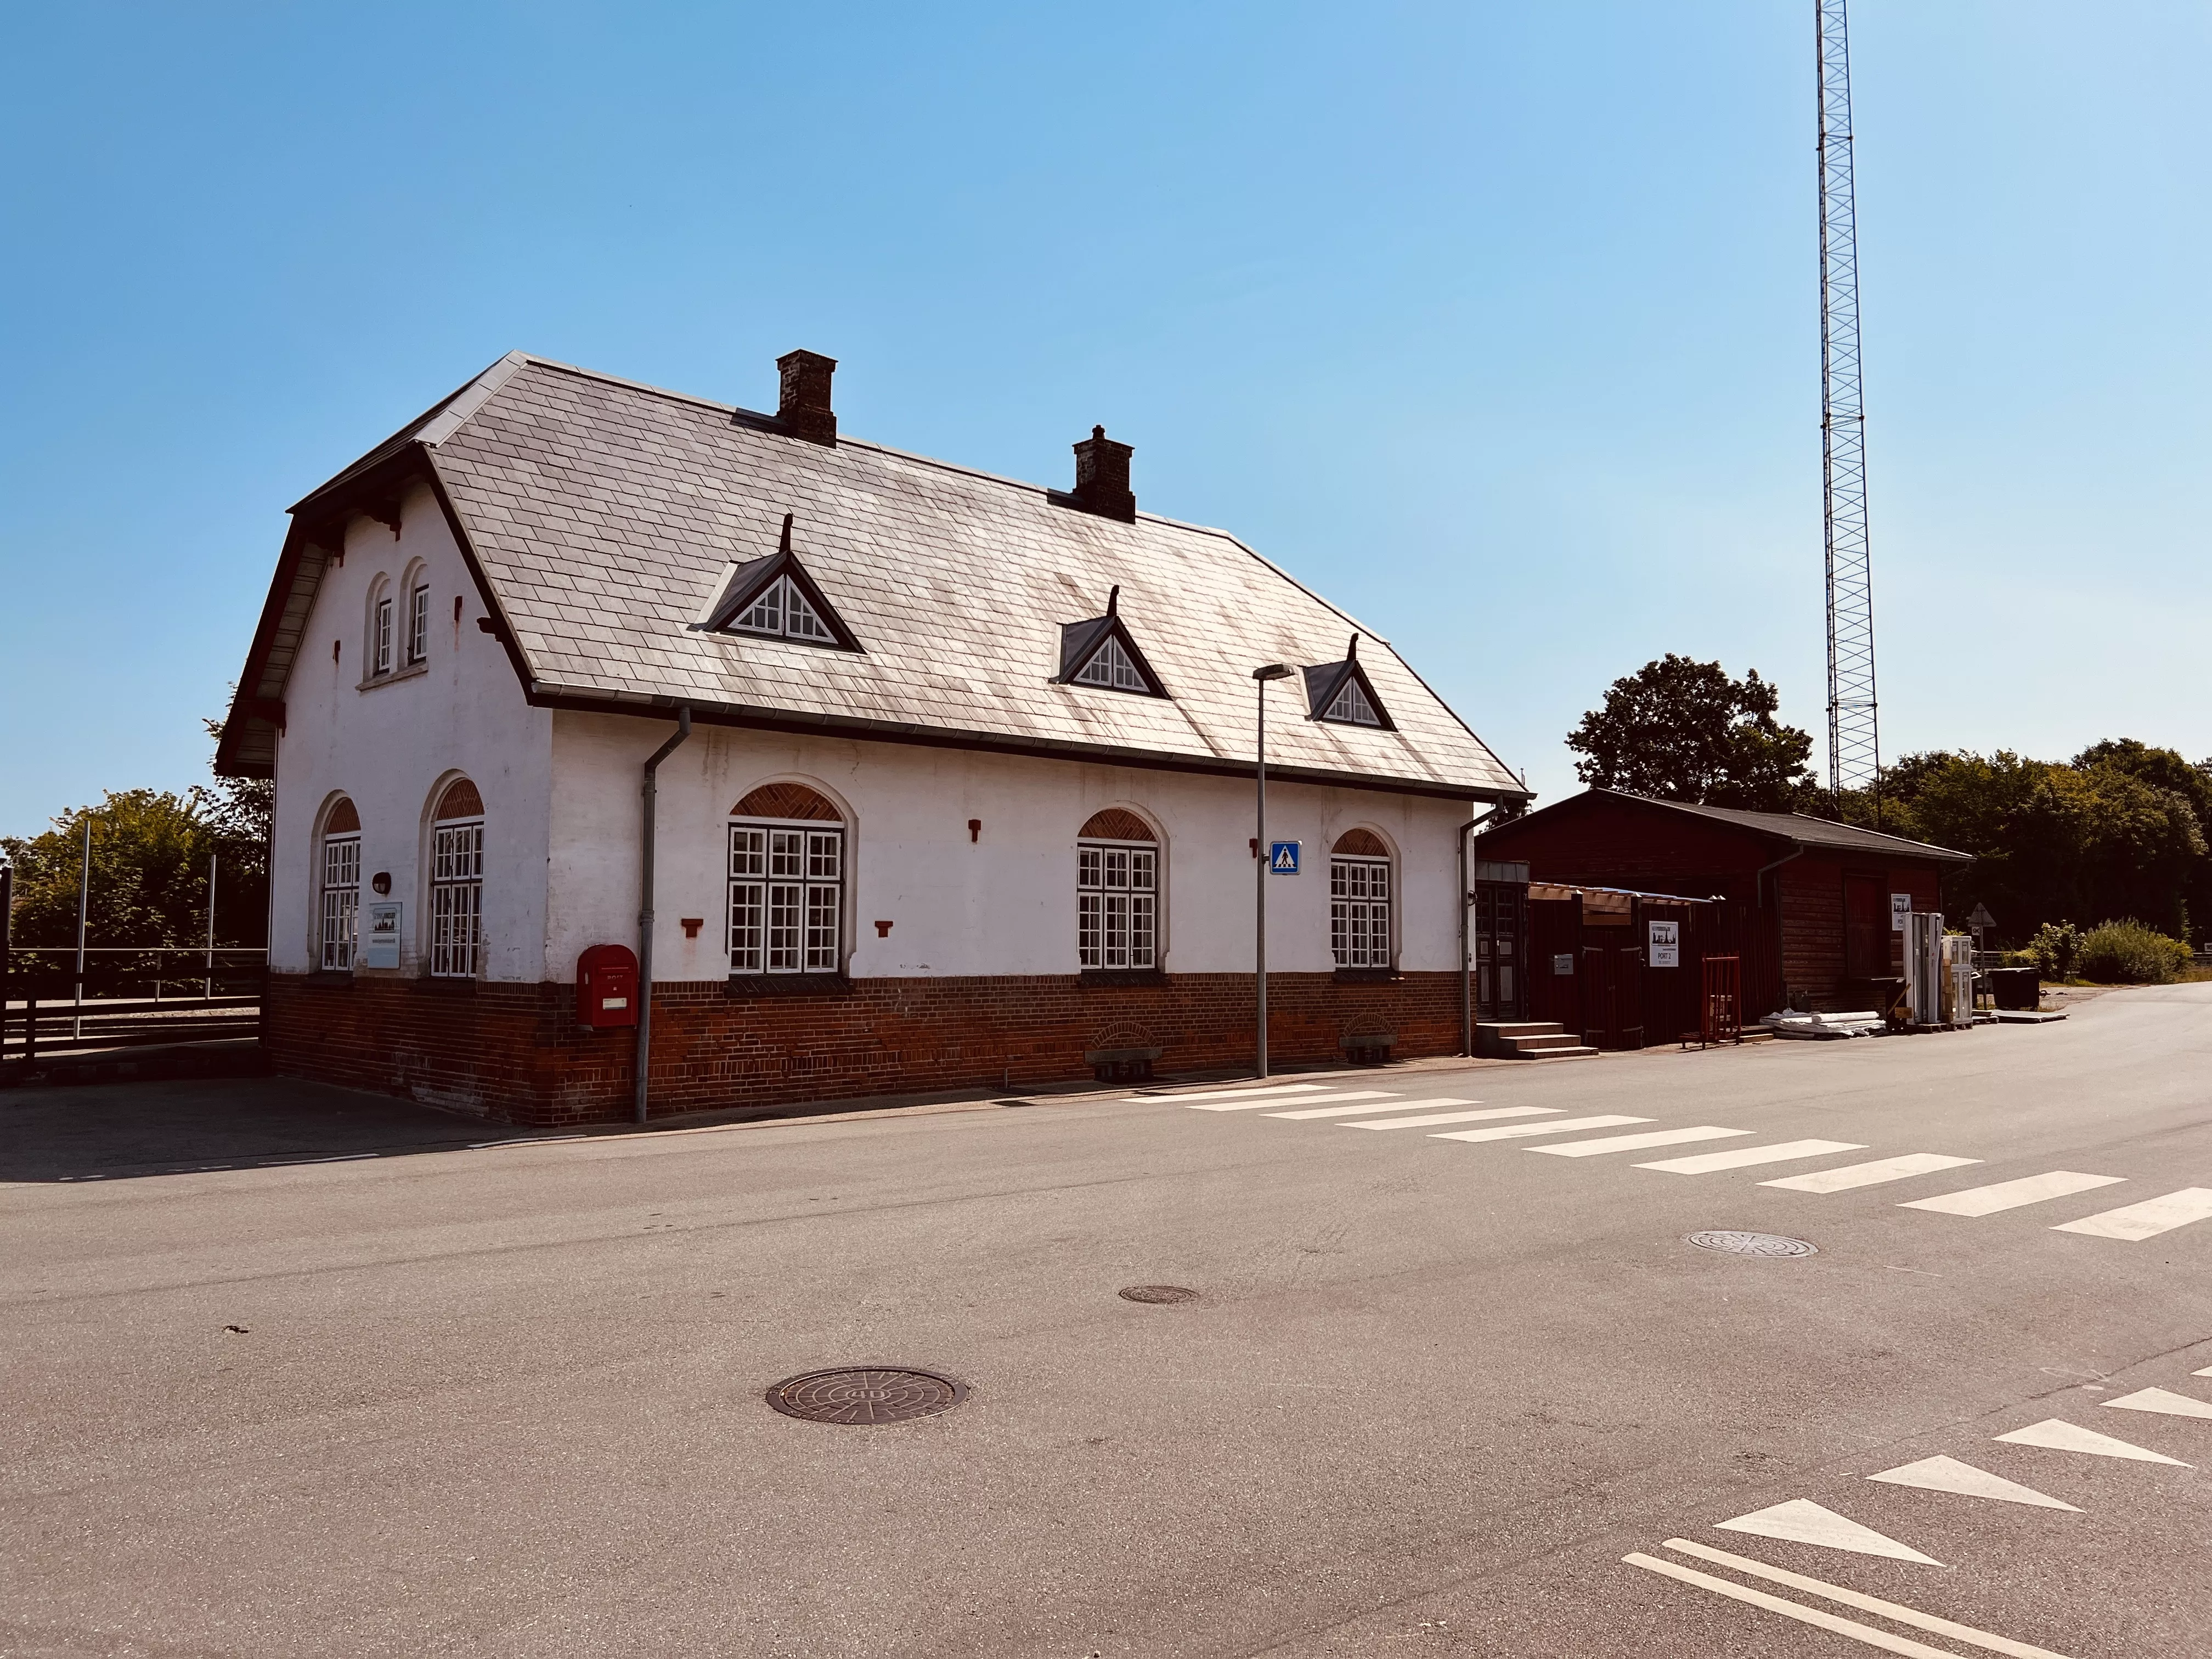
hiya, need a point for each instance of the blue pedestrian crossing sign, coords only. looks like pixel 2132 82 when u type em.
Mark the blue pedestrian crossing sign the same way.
pixel 1282 858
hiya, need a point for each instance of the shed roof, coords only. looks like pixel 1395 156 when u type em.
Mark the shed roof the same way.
pixel 603 518
pixel 1796 828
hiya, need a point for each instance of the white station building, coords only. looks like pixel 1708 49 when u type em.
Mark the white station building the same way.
pixel 967 795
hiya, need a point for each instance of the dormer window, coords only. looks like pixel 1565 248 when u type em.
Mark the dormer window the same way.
pixel 1100 652
pixel 1353 707
pixel 783 609
pixel 1109 664
pixel 1342 693
pixel 774 598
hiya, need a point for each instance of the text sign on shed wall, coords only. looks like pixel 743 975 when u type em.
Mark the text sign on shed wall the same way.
pixel 1900 906
pixel 1563 963
pixel 1666 943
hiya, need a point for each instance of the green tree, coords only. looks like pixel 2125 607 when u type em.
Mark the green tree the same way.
pixel 149 878
pixel 149 883
pixel 2052 842
pixel 1682 730
pixel 2165 770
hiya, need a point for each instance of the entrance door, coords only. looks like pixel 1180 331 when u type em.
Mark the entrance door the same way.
pixel 1866 927
pixel 1499 964
pixel 1598 1025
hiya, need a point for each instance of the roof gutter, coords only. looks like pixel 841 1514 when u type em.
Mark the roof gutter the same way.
pixel 1466 904
pixel 643 1067
pixel 750 718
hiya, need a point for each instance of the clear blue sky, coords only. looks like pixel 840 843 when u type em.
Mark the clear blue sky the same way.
pixel 1497 324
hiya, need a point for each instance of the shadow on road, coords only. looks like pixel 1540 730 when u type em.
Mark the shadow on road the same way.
pixel 106 1131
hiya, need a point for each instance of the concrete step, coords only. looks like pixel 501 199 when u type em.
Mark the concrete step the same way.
pixel 1550 1040
pixel 1578 1052
pixel 1503 1029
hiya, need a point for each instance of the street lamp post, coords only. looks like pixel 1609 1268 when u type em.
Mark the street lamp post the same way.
pixel 1273 671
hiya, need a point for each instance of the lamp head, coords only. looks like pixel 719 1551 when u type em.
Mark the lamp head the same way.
pixel 1273 671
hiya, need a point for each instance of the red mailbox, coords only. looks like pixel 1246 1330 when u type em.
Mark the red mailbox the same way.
pixel 606 987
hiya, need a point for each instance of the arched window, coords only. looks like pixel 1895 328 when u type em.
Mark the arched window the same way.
pixel 338 930
pixel 381 654
pixel 1116 893
pixel 457 849
pixel 786 883
pixel 414 626
pixel 1359 900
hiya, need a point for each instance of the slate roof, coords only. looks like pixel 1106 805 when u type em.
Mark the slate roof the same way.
pixel 605 517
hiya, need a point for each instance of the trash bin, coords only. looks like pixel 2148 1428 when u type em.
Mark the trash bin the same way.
pixel 2015 987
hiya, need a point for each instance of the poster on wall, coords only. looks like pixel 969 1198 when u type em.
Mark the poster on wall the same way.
pixel 1563 963
pixel 1666 943
pixel 379 935
pixel 1900 906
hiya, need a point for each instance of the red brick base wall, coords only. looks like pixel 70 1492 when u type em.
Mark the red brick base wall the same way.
pixel 514 1052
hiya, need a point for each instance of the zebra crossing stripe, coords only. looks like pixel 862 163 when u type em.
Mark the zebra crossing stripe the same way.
pixel 1507 1131
pixel 2011 1194
pixel 1444 1117
pixel 1296 1100
pixel 2148 1219
pixel 1242 1094
pixel 1869 1174
pixel 1636 1143
pixel 1383 1103
pixel 1737 1157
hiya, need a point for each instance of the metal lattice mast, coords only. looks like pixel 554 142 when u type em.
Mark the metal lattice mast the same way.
pixel 1854 747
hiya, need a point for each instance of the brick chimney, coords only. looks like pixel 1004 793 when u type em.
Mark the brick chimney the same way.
pixel 1101 476
pixel 802 405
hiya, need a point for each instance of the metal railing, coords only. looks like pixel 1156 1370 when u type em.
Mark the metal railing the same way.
pixel 48 1008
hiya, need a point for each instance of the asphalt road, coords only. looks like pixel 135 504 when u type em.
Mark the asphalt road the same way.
pixel 508 1400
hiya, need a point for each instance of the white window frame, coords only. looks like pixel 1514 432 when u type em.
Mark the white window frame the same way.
pixel 418 624
pixel 1352 706
pixel 785 908
pixel 1361 889
pixel 339 905
pixel 457 898
pixel 1117 905
pixel 380 636
pixel 781 611
pixel 1111 666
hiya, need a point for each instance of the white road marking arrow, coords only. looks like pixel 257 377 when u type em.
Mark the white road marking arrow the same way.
pixel 1949 1474
pixel 2055 1435
pixel 1800 1521
pixel 2158 1400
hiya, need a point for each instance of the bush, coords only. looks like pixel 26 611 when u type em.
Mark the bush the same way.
pixel 2128 953
pixel 2054 949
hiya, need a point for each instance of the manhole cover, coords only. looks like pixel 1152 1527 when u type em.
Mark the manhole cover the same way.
pixel 1752 1243
pixel 1158 1293
pixel 865 1396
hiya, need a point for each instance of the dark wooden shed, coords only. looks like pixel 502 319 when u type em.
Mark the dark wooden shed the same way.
pixel 1805 902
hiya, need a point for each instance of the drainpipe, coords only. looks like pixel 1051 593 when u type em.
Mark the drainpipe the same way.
pixel 1466 961
pixel 651 791
pixel 1757 888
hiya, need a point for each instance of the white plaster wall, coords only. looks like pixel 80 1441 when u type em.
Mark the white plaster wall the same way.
pixel 389 745
pixel 1004 904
